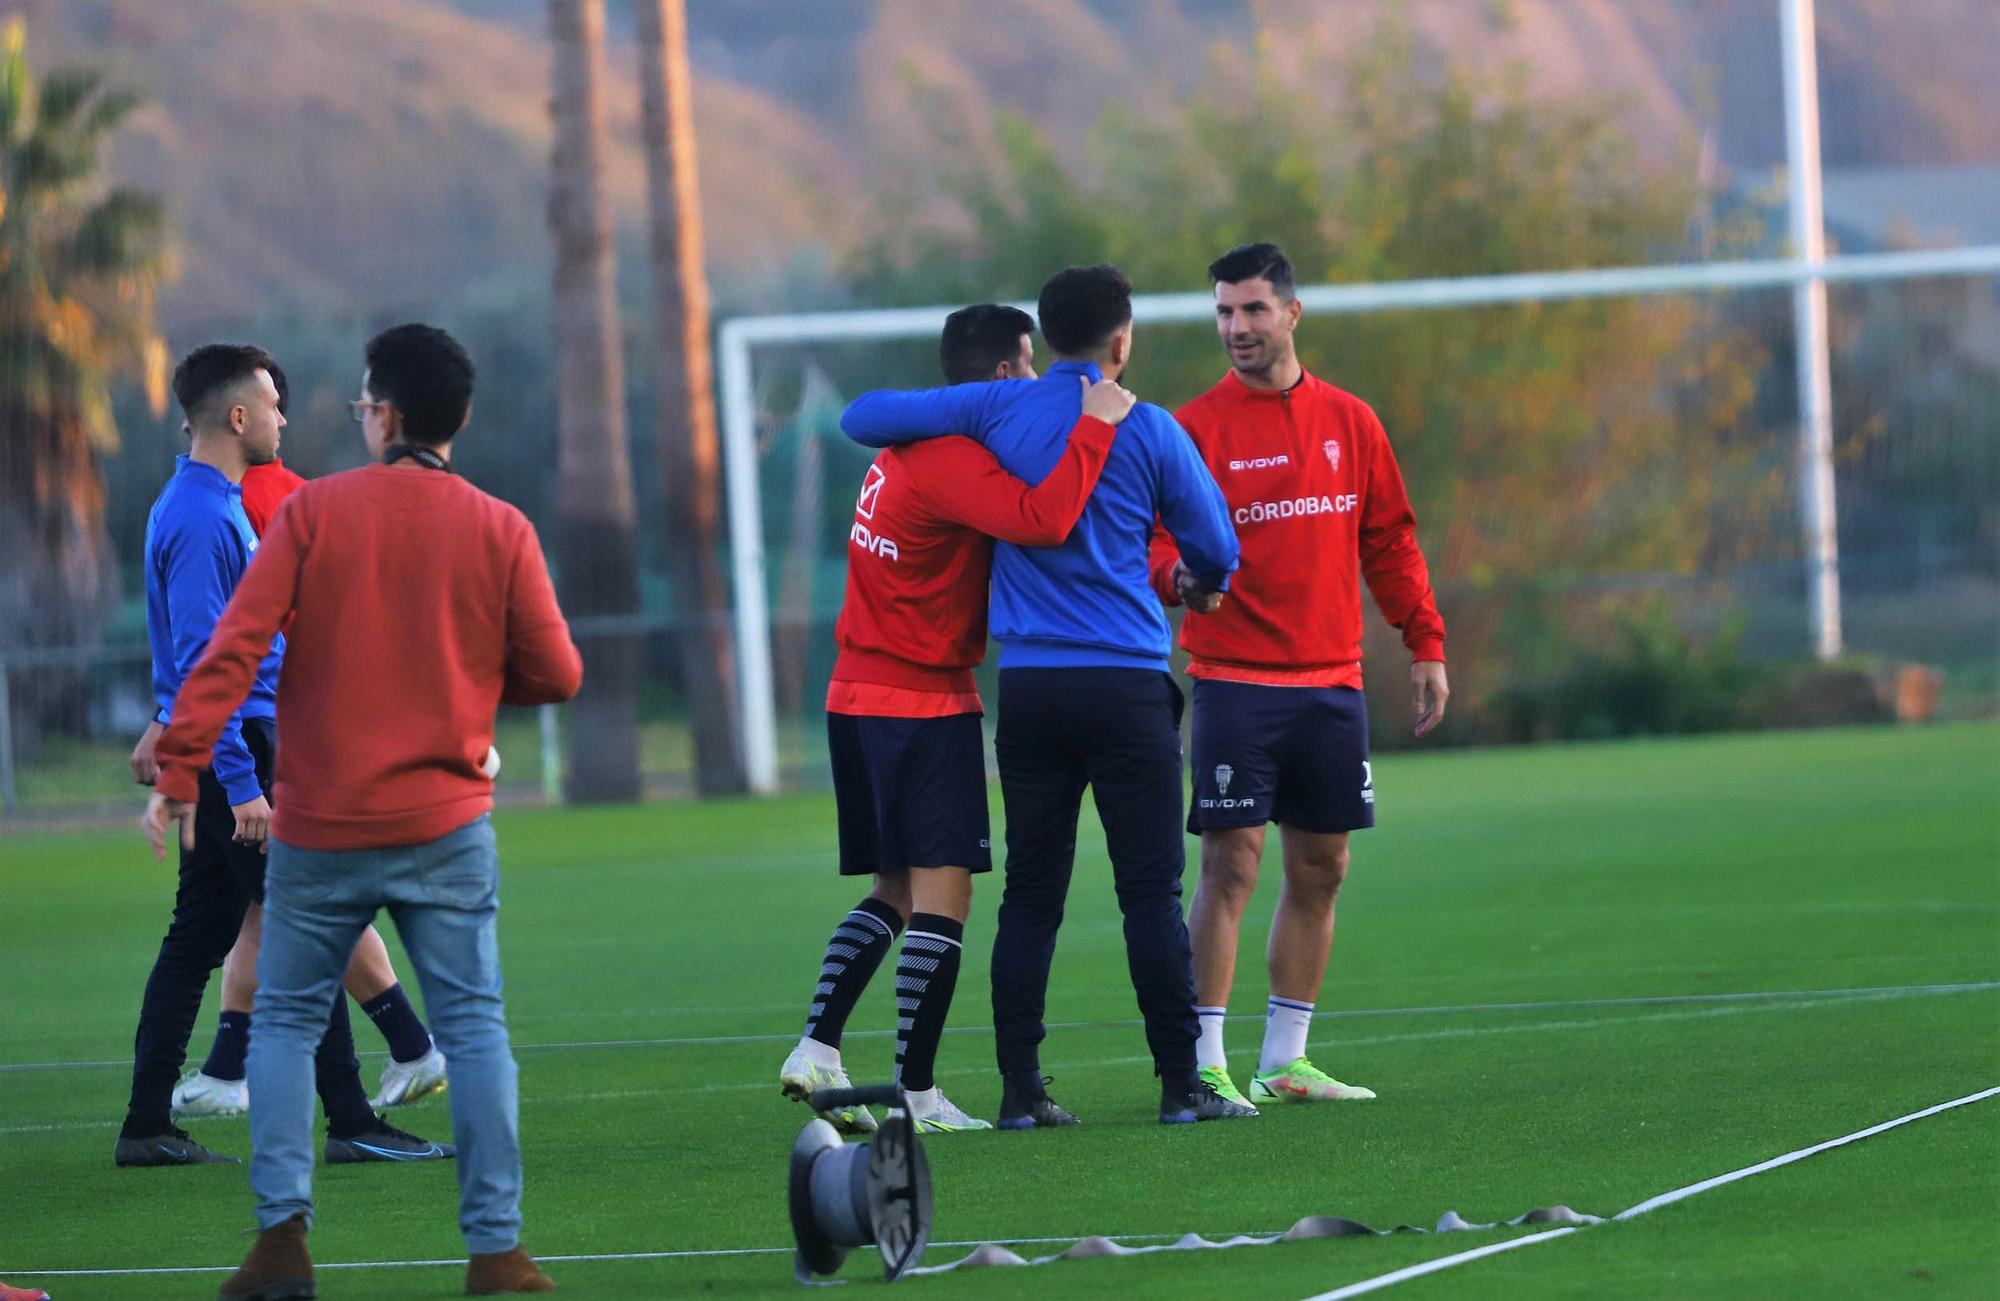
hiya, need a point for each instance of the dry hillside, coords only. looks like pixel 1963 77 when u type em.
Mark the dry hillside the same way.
pixel 341 153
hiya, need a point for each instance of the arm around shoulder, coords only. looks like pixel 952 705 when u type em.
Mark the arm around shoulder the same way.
pixel 887 417
pixel 964 482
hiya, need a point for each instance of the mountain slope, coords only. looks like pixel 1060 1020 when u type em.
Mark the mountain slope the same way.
pixel 382 155
pixel 371 155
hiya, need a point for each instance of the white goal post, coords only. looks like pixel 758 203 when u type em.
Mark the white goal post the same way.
pixel 741 336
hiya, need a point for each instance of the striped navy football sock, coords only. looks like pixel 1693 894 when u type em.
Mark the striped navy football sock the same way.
pixel 926 975
pixel 852 955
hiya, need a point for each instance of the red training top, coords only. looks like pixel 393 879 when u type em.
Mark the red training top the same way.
pixel 419 604
pixel 264 486
pixel 914 621
pixel 1313 487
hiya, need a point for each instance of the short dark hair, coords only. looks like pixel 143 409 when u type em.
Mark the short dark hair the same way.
pixel 1255 262
pixel 422 372
pixel 209 373
pixel 978 339
pixel 1082 307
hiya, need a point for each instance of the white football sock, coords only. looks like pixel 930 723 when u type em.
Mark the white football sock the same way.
pixel 922 1102
pixel 1285 1027
pixel 1208 1048
pixel 821 1055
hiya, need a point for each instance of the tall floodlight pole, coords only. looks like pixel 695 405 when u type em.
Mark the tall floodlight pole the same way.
pixel 1815 381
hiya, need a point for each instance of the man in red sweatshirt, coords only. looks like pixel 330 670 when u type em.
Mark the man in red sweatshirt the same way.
pixel 418 604
pixel 909 765
pixel 1280 728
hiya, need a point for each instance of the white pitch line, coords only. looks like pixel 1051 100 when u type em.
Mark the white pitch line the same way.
pixel 1394 1277
pixel 1681 1013
pixel 1681 1194
pixel 1333 1014
pixel 1408 1272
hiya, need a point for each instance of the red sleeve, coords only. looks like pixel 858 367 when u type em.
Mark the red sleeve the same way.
pixel 1390 560
pixel 543 666
pixel 963 482
pixel 222 677
pixel 1163 555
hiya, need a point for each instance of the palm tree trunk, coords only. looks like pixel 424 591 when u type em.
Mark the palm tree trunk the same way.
pixel 597 546
pixel 686 431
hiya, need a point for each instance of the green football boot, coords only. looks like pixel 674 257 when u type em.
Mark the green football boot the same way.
pixel 1217 1078
pixel 1301 1081
pixel 801 1077
pixel 942 1116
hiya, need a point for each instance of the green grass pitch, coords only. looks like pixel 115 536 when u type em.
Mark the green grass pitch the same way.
pixel 679 942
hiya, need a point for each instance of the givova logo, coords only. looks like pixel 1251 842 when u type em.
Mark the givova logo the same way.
pixel 864 509
pixel 1367 782
pixel 1224 774
pixel 871 492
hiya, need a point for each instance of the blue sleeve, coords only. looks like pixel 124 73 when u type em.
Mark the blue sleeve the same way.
pixel 1191 505
pixel 199 575
pixel 159 633
pixel 887 417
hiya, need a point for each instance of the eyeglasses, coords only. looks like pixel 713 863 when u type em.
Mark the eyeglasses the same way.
pixel 361 407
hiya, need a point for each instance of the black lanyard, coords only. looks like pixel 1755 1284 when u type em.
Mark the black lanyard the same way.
pixel 423 456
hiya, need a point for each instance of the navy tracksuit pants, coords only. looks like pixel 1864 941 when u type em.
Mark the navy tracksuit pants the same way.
pixel 1116 731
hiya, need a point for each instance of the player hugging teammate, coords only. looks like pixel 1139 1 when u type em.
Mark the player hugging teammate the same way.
pixel 1280 729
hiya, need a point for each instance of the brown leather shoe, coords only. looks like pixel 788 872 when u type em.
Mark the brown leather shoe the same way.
pixel 494 1273
pixel 277 1268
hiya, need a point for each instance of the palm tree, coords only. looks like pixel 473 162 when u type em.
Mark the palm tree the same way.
pixel 685 434
pixel 79 265
pixel 597 547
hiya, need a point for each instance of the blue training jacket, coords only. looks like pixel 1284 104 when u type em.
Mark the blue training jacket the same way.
pixel 198 543
pixel 1088 602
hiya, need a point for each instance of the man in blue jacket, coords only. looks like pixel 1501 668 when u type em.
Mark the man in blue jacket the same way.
pixel 198 544
pixel 1086 699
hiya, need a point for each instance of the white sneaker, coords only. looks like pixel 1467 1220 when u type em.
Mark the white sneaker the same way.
pixel 406 1082
pixel 203 1097
pixel 934 1113
pixel 800 1077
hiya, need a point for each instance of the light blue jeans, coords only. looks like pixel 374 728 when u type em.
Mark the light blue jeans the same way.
pixel 444 897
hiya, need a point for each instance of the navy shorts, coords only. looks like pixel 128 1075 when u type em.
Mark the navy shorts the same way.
pixel 911 792
pixel 1297 756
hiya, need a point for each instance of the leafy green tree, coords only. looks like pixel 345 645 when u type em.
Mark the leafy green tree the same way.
pixel 79 264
